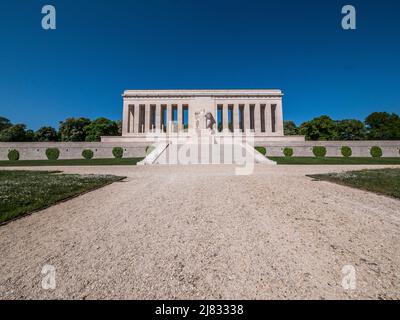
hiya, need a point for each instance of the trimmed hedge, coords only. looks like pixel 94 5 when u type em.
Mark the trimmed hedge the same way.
pixel 319 152
pixel 288 152
pixel 118 152
pixel 52 153
pixel 261 150
pixel 87 154
pixel 346 151
pixel 376 152
pixel 149 149
pixel 13 155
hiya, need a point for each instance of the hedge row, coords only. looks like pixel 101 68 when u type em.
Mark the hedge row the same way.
pixel 320 151
pixel 54 154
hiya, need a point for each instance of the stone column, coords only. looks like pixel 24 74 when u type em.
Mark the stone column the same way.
pixel 131 118
pixel 279 118
pixel 125 118
pixel 236 126
pixel 225 120
pixel 216 116
pixel 268 119
pixel 179 117
pixel 246 117
pixel 147 118
pixel 257 118
pixel 158 118
pixel 169 118
pixel 136 118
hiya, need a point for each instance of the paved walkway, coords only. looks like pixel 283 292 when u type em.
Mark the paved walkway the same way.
pixel 202 232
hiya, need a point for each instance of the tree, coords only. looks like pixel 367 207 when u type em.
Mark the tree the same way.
pixel 46 134
pixel 290 128
pixel 71 129
pixel 15 133
pixel 350 129
pixel 100 127
pixel 119 123
pixel 322 128
pixel 383 126
pixel 4 123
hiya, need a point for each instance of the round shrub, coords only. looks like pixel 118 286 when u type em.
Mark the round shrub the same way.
pixel 288 152
pixel 87 154
pixel 319 152
pixel 261 150
pixel 52 153
pixel 149 149
pixel 13 155
pixel 376 152
pixel 346 152
pixel 118 152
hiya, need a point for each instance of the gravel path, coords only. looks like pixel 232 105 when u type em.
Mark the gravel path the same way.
pixel 200 232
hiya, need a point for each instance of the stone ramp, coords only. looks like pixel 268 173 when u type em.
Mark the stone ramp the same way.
pixel 152 157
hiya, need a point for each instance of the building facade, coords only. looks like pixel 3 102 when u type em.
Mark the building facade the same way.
pixel 162 112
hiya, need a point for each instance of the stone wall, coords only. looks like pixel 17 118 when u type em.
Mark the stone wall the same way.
pixel 70 150
pixel 73 150
pixel 359 148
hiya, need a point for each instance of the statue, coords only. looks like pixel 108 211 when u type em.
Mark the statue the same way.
pixel 210 121
pixel 204 121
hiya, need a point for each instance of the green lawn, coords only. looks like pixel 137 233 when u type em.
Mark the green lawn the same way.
pixel 334 161
pixel 382 181
pixel 22 192
pixel 72 162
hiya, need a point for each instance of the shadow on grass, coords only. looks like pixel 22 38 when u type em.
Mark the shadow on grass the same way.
pixel 382 181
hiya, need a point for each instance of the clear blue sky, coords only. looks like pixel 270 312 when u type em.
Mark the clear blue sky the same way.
pixel 102 47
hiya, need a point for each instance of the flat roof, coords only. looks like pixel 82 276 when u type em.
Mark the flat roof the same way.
pixel 204 92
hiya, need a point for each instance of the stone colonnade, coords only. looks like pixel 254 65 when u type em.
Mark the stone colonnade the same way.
pixel 176 111
pixel 259 118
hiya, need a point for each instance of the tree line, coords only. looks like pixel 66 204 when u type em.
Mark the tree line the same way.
pixel 71 129
pixel 377 126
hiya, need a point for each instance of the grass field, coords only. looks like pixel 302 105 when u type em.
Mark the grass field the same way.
pixel 334 161
pixel 72 162
pixel 22 192
pixel 382 181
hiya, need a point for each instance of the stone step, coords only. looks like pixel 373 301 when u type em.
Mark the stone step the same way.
pixel 193 153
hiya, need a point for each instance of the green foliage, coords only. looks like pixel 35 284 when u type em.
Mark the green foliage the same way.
pixel 119 124
pixel 322 128
pixel 16 133
pixel 13 155
pixel 383 126
pixel 288 152
pixel 72 129
pixel 22 192
pixel 346 151
pixel 149 149
pixel 381 181
pixel 290 128
pixel 350 129
pixel 376 152
pixel 100 127
pixel 46 134
pixel 319 151
pixel 261 150
pixel 52 153
pixel 4 123
pixel 87 154
pixel 118 152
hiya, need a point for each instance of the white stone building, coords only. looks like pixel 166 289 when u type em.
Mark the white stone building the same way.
pixel 160 113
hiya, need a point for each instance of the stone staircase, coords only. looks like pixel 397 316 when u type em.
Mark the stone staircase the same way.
pixel 204 153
